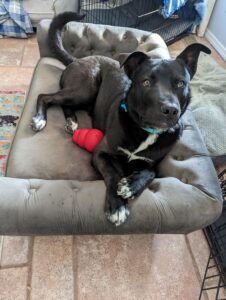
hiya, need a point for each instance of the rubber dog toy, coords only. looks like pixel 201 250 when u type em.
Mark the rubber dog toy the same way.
pixel 87 138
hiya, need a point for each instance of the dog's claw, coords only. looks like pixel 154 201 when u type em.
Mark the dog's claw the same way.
pixel 37 123
pixel 119 216
pixel 124 189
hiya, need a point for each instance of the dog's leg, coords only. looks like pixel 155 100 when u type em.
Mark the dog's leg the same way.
pixel 115 207
pixel 133 185
pixel 71 120
pixel 59 98
pixel 44 100
pixel 39 120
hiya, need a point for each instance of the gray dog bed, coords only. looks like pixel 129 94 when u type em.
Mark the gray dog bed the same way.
pixel 51 188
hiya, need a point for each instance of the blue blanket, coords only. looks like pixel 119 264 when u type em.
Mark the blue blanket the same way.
pixel 14 21
pixel 185 9
pixel 170 6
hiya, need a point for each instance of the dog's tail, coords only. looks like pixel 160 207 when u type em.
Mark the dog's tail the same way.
pixel 54 35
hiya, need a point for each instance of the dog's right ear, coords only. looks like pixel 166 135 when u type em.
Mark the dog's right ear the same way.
pixel 190 56
pixel 132 61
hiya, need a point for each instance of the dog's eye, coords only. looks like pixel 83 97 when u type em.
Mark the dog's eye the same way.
pixel 146 83
pixel 180 84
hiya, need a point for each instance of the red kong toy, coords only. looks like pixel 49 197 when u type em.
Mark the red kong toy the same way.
pixel 87 138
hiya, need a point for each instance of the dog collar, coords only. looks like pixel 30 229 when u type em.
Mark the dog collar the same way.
pixel 124 107
pixel 149 130
pixel 152 130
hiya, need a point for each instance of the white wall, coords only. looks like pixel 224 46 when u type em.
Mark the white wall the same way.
pixel 216 30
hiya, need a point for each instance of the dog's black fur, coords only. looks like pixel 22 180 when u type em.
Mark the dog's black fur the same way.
pixel 156 94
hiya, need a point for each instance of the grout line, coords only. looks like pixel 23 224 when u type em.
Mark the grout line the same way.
pixel 75 266
pixel 13 67
pixel 1 248
pixel 13 266
pixel 30 264
pixel 198 275
pixel 22 54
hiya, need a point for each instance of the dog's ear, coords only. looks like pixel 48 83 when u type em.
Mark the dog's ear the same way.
pixel 132 61
pixel 190 56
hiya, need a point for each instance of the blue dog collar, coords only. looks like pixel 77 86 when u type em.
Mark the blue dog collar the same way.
pixel 152 130
pixel 124 107
pixel 149 130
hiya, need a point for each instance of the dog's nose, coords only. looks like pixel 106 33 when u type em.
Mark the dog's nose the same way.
pixel 169 110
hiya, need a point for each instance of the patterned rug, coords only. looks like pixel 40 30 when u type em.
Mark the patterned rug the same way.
pixel 11 106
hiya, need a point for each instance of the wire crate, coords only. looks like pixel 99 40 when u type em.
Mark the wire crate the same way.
pixel 215 274
pixel 141 14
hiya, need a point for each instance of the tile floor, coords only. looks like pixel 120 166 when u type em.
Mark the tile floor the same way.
pixel 131 267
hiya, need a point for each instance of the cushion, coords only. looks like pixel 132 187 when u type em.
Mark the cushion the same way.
pixel 82 39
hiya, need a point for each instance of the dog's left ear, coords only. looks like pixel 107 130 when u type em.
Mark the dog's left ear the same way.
pixel 190 56
pixel 133 61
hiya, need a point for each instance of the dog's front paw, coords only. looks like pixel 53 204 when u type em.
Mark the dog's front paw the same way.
pixel 125 189
pixel 119 216
pixel 38 123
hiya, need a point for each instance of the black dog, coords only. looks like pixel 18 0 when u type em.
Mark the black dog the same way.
pixel 138 110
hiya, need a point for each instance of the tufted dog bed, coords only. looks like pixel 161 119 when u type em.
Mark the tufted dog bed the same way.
pixel 51 187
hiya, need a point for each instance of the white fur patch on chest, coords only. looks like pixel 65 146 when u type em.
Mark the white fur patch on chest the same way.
pixel 144 145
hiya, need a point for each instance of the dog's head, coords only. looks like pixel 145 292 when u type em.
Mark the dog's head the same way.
pixel 160 91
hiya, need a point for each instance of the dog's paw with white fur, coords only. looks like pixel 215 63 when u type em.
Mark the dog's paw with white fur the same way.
pixel 38 123
pixel 119 216
pixel 124 189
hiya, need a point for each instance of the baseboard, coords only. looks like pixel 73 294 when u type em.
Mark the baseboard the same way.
pixel 216 43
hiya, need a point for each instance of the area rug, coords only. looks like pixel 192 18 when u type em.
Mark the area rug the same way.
pixel 11 106
pixel 209 103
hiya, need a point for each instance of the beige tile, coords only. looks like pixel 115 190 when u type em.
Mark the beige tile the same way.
pixel 190 39
pixel 52 269
pixel 177 46
pixel 31 55
pixel 13 283
pixel 11 51
pixel 200 250
pixel 13 78
pixel 14 251
pixel 134 267
pixel 32 39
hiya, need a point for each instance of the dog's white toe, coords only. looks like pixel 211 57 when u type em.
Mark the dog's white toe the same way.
pixel 38 124
pixel 124 189
pixel 70 125
pixel 119 216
